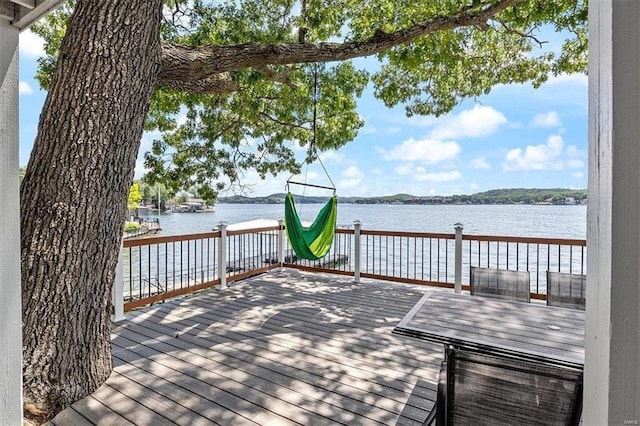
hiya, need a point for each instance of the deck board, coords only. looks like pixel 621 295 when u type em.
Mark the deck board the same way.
pixel 71 417
pixel 285 347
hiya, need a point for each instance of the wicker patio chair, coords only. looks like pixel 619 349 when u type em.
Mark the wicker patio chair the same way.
pixel 500 283
pixel 484 388
pixel 566 290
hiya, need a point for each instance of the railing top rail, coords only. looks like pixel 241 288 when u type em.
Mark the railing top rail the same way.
pixel 137 242
pixel 530 240
pixel 408 234
pixel 253 230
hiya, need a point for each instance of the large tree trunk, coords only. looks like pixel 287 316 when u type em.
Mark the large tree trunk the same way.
pixel 74 196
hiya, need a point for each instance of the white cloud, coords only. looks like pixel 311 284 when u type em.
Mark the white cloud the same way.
pixel 368 129
pixel 536 157
pixel 578 175
pixel 477 121
pixel 352 172
pixel 377 171
pixel 474 186
pixel 575 164
pixel 332 156
pixel 438 176
pixel 428 151
pixel 31 45
pixel 576 78
pixel 573 151
pixel 296 147
pixel 547 119
pixel 420 174
pixel 352 180
pixel 405 169
pixel 24 88
pixel 310 176
pixel 479 163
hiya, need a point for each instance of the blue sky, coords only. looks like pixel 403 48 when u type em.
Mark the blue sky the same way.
pixel 516 136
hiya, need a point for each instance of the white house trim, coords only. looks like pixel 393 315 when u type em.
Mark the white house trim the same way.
pixel 14 16
pixel 23 13
pixel 10 306
pixel 612 344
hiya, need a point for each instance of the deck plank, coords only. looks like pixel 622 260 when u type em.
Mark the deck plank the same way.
pixel 70 417
pixel 172 409
pixel 282 348
pixel 96 412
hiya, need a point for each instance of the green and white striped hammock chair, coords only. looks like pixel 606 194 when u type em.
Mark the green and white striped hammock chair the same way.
pixel 315 241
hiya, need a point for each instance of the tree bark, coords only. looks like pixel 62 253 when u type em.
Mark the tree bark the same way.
pixel 74 197
pixel 194 68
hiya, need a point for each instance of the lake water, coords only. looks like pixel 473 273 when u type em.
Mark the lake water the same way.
pixel 513 220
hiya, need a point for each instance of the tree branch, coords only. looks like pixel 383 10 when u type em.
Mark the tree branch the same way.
pixel 528 35
pixel 191 68
pixel 215 84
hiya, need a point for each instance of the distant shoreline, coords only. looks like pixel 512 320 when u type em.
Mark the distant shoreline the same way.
pixel 406 204
pixel 522 196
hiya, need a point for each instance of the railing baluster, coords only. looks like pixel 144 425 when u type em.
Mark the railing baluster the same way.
pixel 446 260
pixel 438 266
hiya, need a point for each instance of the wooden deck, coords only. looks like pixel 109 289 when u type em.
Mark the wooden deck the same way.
pixel 282 348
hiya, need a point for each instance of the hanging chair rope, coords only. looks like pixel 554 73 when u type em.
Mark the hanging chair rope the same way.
pixel 315 241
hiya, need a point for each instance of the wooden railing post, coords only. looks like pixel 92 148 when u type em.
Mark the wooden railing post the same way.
pixel 357 250
pixel 117 292
pixel 222 255
pixel 458 258
pixel 281 242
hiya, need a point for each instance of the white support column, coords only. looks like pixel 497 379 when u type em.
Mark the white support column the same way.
pixel 222 255
pixel 10 297
pixel 357 251
pixel 612 372
pixel 281 243
pixel 458 259
pixel 117 292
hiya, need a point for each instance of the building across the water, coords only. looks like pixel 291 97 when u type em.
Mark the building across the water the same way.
pixel 193 205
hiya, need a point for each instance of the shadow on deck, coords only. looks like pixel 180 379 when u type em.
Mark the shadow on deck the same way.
pixel 281 348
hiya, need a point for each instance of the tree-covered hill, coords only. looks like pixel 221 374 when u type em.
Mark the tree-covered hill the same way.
pixel 494 196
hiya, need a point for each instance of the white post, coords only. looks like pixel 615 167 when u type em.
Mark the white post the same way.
pixel 10 293
pixel 458 259
pixel 281 243
pixel 357 250
pixel 612 351
pixel 222 255
pixel 117 291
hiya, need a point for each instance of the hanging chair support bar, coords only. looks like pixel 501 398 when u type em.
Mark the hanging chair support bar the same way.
pixel 311 185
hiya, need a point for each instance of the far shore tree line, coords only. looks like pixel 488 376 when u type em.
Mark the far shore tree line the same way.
pixel 554 196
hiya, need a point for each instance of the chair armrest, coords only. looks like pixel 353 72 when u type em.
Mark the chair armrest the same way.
pixel 439 408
